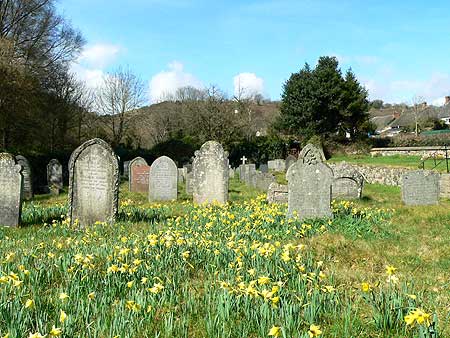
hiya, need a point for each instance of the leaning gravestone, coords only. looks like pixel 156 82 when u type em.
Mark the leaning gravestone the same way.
pixel 290 160
pixel 138 171
pixel 163 180
pixel 277 193
pixel 210 174
pixel 348 182
pixel 93 183
pixel 420 188
pixel 27 179
pixel 54 177
pixel 11 188
pixel 309 185
pixel 277 165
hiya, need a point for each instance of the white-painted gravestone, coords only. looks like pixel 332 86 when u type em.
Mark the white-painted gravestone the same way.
pixel 309 184
pixel 163 180
pixel 54 177
pixel 210 174
pixel 11 181
pixel 27 178
pixel 420 188
pixel 93 183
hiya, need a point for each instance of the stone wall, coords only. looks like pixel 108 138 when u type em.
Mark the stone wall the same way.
pixel 414 151
pixel 393 176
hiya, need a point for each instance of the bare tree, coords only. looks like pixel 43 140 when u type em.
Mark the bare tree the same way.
pixel 120 94
pixel 418 106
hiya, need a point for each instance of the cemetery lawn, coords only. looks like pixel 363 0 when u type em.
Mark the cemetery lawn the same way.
pixel 175 270
pixel 392 161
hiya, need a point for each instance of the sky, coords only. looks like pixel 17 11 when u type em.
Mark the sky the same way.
pixel 399 50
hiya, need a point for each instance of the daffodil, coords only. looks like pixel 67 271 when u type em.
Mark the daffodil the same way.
pixel 55 331
pixel 63 296
pixel 275 331
pixel 62 316
pixel 365 287
pixel 91 295
pixel 29 304
pixel 314 331
pixel 390 270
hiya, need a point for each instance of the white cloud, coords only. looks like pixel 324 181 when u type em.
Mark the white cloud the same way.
pixel 90 65
pixel 167 82
pixel 247 85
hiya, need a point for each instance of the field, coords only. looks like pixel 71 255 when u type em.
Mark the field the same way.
pixel 378 269
pixel 394 161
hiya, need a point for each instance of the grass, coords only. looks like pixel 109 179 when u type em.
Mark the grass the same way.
pixel 175 270
pixel 393 161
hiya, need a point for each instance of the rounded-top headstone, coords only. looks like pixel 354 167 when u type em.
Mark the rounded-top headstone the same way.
pixel 93 183
pixel 210 174
pixel 54 176
pixel 348 182
pixel 11 181
pixel 135 162
pixel 163 180
pixel 309 184
pixel 27 178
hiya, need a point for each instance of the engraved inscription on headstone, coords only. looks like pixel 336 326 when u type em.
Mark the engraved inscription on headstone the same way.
pixel 93 183
pixel 277 193
pixel 420 188
pixel 54 177
pixel 210 169
pixel 163 180
pixel 27 178
pixel 309 184
pixel 11 188
pixel 136 162
pixel 348 182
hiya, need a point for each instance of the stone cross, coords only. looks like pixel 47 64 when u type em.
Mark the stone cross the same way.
pixel 210 174
pixel 309 185
pixel 11 185
pixel 244 159
pixel 93 183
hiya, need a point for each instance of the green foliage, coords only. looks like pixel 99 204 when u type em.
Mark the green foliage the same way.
pixel 323 102
pixel 257 150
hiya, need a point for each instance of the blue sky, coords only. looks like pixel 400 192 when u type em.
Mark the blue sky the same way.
pixel 398 49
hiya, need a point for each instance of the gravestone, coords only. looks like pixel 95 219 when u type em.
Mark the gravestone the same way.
pixel 27 178
pixel 250 175
pixel 277 193
pixel 188 167
pixel 11 188
pixel 348 182
pixel 277 165
pixel 93 183
pixel 264 168
pixel 230 173
pixel 182 172
pixel 139 167
pixel 290 160
pixel 241 172
pixel 54 177
pixel 126 169
pixel 309 185
pixel 263 180
pixel 189 185
pixel 420 188
pixel 163 180
pixel 210 174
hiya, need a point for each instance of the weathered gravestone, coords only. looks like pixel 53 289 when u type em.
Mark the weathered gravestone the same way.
pixel 230 173
pixel 163 180
pixel 277 165
pixel 138 171
pixel 54 177
pixel 27 179
pixel 210 169
pixel 309 185
pixel 348 182
pixel 263 180
pixel 420 188
pixel 250 175
pixel 277 193
pixel 182 172
pixel 126 169
pixel 264 168
pixel 93 183
pixel 189 184
pixel 188 167
pixel 11 188
pixel 290 160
